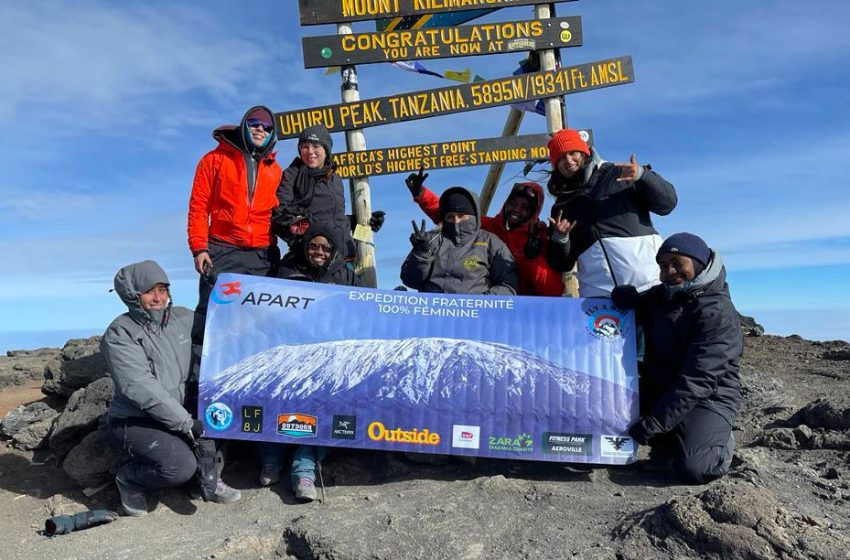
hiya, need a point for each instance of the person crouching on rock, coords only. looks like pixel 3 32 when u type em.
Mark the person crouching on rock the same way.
pixel 460 258
pixel 148 351
pixel 690 387
pixel 317 256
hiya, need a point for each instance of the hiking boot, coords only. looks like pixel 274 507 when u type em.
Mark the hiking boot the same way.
pixel 133 501
pixel 269 474
pixel 224 494
pixel 305 490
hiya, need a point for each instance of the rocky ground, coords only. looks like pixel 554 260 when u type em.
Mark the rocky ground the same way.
pixel 788 495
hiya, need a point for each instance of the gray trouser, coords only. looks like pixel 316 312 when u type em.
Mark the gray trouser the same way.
pixel 701 446
pixel 156 458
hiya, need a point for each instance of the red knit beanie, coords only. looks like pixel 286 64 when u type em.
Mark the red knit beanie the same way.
pixel 566 141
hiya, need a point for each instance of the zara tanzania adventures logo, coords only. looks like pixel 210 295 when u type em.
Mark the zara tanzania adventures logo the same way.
pixel 227 292
pixel 604 321
pixel 218 416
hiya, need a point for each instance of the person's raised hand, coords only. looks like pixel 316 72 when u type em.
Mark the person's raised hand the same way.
pixel 377 220
pixel 416 182
pixel 203 263
pixel 629 171
pixel 561 224
pixel 419 238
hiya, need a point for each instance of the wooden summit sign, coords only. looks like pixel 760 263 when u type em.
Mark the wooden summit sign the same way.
pixel 455 99
pixel 442 42
pixel 314 12
pixel 442 155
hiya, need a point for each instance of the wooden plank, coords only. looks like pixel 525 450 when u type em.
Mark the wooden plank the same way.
pixel 429 20
pixel 441 42
pixel 458 98
pixel 443 155
pixel 315 12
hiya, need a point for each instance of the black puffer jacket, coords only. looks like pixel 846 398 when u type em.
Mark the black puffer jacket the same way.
pixel 315 194
pixel 614 242
pixel 295 265
pixel 693 350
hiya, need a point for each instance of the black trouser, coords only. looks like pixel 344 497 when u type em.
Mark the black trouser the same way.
pixel 156 457
pixel 701 446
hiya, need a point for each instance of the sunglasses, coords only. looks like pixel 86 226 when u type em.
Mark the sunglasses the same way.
pixel 320 247
pixel 254 123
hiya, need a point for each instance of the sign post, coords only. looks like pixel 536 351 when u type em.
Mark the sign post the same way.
pixel 361 200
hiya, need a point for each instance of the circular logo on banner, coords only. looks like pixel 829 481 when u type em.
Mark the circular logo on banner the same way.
pixel 218 416
pixel 566 36
pixel 605 322
pixel 327 52
pixel 227 292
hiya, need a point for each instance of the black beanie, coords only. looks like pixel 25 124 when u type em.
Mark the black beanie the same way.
pixel 317 134
pixel 456 200
pixel 689 245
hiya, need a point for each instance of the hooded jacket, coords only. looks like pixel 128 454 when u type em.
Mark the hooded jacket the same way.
pixel 149 355
pixel 614 242
pixel 536 277
pixel 296 265
pixel 466 261
pixel 315 194
pixel 233 194
pixel 693 350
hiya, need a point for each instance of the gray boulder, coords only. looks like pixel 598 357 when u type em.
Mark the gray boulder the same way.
pixel 20 366
pixel 34 436
pixel 80 363
pixel 25 415
pixel 92 462
pixel 830 413
pixel 81 415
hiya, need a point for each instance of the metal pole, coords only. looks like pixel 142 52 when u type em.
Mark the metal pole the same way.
pixel 361 203
pixel 556 119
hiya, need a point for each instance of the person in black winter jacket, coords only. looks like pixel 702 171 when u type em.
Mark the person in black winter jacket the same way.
pixel 690 389
pixel 314 257
pixel 601 217
pixel 310 192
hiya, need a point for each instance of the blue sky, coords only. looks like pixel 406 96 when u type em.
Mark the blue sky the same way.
pixel 105 109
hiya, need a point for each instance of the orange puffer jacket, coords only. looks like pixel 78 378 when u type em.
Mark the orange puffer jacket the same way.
pixel 536 277
pixel 220 206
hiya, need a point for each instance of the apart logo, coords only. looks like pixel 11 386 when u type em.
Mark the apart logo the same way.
pixel 227 292
pixel 378 432
pixel 252 419
pixel 344 427
pixel 519 444
pixel 555 443
pixel 297 425
pixel 617 446
pixel 604 322
pixel 218 416
pixel 467 437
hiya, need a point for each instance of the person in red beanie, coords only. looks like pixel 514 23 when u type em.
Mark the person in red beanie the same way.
pixel 517 224
pixel 601 217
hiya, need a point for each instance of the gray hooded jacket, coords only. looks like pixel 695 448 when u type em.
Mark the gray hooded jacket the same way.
pixel 149 354
pixel 462 259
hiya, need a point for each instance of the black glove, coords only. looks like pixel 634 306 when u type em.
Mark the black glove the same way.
pixel 377 220
pixel 534 245
pixel 197 429
pixel 416 182
pixel 64 524
pixel 625 297
pixel 638 432
pixel 419 238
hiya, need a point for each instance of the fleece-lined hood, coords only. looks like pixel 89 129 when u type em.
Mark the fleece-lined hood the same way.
pixel 135 279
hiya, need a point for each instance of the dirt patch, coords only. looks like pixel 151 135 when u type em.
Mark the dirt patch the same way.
pixel 15 395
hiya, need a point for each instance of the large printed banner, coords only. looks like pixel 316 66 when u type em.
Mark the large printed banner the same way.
pixel 546 379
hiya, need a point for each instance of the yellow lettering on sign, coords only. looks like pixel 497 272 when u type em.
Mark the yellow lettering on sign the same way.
pixel 368 7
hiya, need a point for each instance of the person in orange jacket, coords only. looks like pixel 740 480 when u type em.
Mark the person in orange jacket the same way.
pixel 231 205
pixel 518 225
